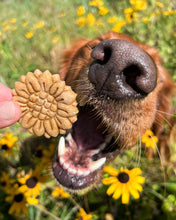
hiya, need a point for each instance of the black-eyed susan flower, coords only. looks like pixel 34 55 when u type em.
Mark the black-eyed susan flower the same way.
pixel 55 39
pixel 29 35
pixel 103 10
pixel 149 139
pixel 59 192
pixel 7 142
pixel 96 3
pixel 18 200
pixel 31 183
pixel 118 26
pixel 40 24
pixel 90 19
pixel 112 19
pixel 82 215
pixel 81 21
pixel 5 181
pixel 80 10
pixel 24 23
pixel 124 183
pixel 138 4
pixel 13 20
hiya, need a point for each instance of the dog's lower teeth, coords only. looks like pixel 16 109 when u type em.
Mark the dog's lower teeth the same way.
pixel 95 165
pixel 72 170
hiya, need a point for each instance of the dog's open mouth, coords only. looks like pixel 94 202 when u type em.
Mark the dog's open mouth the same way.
pixel 83 151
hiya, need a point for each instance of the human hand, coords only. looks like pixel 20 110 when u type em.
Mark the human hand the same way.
pixel 10 111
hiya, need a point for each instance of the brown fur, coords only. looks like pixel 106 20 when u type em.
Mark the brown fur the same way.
pixel 134 117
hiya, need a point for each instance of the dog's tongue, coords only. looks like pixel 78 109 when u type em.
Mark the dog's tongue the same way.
pixel 87 131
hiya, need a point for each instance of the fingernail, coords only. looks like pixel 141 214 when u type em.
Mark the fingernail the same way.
pixel 7 110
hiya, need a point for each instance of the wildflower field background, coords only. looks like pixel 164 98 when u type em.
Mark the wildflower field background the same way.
pixel 32 36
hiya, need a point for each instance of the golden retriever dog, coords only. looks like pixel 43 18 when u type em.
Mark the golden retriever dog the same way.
pixel 122 91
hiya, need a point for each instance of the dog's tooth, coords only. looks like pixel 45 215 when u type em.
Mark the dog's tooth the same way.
pixel 80 172
pixel 65 165
pixel 72 170
pixel 61 160
pixel 61 146
pixel 95 165
pixel 86 173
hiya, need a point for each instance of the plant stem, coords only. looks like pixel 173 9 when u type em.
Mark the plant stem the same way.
pixel 43 209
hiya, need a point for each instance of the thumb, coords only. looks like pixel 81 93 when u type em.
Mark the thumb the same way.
pixel 10 113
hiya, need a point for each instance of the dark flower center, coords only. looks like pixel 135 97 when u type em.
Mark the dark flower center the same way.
pixel 4 147
pixel 3 183
pixel 150 136
pixel 18 197
pixel 31 182
pixel 39 153
pixel 123 177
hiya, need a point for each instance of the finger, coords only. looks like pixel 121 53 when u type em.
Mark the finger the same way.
pixel 10 113
pixel 5 93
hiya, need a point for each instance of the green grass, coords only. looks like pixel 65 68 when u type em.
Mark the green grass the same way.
pixel 18 55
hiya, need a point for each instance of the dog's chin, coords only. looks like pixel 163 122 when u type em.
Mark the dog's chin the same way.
pixel 82 153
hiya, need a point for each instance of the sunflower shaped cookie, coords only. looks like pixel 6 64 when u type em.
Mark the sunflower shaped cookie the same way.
pixel 48 106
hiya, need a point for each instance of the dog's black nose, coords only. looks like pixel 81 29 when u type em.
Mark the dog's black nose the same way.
pixel 121 69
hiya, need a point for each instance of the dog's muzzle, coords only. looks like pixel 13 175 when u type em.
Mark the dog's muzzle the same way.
pixel 122 70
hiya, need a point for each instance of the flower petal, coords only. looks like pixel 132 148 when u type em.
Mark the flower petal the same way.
pixel 109 180
pixel 135 172
pixel 139 179
pixel 117 193
pixel 112 171
pixel 137 186
pixel 112 188
pixel 125 197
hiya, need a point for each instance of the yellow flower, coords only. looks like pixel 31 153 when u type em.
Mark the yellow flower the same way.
pixel 118 26
pixel 40 24
pixel 55 39
pixel 13 20
pixel 124 183
pixel 96 3
pixel 59 192
pixel 29 35
pixel 18 200
pixel 31 200
pixel 145 20
pixel 45 155
pixel 83 216
pixel 149 139
pixel 80 10
pixel 139 4
pixel 24 23
pixel 80 21
pixel 7 27
pixel 90 19
pixel 112 19
pixel 5 181
pixel 6 143
pixel 130 14
pixel 31 183
pixel 0 33
pixel 62 15
pixel 4 23
pixel 53 30
pixel 103 10
pixel 159 4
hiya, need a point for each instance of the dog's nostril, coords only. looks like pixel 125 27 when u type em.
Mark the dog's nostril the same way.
pixel 122 69
pixel 101 54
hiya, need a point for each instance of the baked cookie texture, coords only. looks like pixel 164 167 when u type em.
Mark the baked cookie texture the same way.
pixel 48 106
